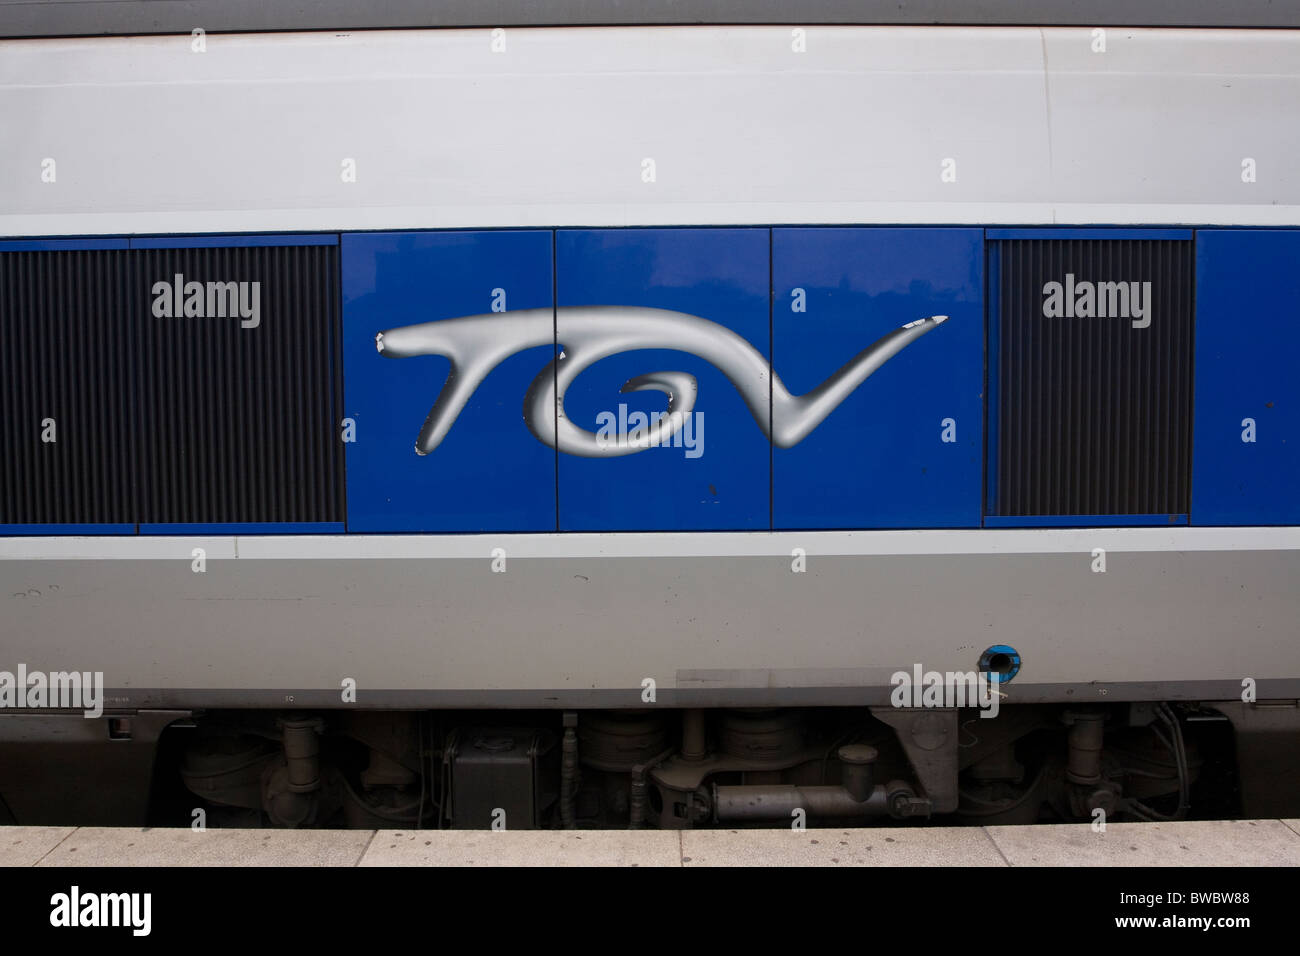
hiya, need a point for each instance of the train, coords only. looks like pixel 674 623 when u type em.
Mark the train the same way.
pixel 698 421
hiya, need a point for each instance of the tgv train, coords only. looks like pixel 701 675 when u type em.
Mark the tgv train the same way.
pixel 649 426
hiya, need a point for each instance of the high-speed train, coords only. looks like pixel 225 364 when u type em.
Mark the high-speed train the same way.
pixel 542 424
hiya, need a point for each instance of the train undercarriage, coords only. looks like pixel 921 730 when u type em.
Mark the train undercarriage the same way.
pixel 653 768
pixel 676 769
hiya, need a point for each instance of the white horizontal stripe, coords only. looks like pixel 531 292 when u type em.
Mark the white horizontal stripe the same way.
pixel 869 125
pixel 653 545
pixel 609 215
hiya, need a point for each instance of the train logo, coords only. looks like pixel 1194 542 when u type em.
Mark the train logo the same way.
pixel 476 344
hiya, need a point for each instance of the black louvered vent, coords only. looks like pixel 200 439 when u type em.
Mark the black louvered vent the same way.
pixel 67 355
pixel 1093 415
pixel 240 424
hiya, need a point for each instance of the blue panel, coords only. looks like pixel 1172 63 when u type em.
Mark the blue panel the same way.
pixel 46 530
pixel 1084 521
pixel 714 474
pixel 1247 367
pixel 54 245
pixel 1105 232
pixel 489 473
pixel 880 459
pixel 229 242
pixel 247 527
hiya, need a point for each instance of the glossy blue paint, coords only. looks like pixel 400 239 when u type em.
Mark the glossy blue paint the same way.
pixel 878 460
pixel 55 245
pixel 490 473
pixel 716 274
pixel 1247 367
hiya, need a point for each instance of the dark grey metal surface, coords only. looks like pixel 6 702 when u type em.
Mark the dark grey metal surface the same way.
pixel 240 424
pixel 31 18
pixel 61 769
pixel 67 353
pixel 1266 754
pixel 1094 415
pixel 169 419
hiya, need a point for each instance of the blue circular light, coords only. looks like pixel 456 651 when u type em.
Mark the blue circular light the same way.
pixel 1001 662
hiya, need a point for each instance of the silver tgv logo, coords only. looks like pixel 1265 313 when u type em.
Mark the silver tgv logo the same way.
pixel 476 344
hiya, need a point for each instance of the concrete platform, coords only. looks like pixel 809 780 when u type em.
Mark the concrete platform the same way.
pixel 1201 843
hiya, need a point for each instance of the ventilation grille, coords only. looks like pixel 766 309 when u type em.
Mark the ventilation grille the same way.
pixel 1093 415
pixel 67 357
pixel 240 424
pixel 170 419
